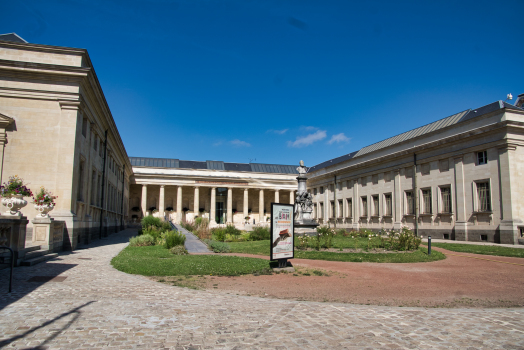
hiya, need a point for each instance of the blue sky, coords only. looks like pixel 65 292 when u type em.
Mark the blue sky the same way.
pixel 280 81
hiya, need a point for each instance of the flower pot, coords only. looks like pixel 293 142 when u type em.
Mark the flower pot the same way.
pixel 14 203
pixel 44 210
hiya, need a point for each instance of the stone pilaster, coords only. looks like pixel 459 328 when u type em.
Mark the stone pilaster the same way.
pixel 398 201
pixel 161 202
pixel 196 202
pixel 144 200
pixel 291 197
pixel 229 205
pixel 246 202
pixel 356 206
pixel 213 206
pixel 461 225
pixel 179 204
pixel 261 206
pixel 277 196
pixel 509 225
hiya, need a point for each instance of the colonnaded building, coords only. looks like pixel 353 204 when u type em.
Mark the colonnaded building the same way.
pixel 460 176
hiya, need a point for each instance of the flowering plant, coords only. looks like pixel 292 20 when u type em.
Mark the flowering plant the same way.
pixel 44 197
pixel 15 185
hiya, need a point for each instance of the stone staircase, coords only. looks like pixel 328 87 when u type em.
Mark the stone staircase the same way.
pixel 35 254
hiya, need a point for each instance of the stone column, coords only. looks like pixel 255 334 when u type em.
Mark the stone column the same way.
pixel 179 204
pixel 277 197
pixel 509 199
pixel 161 203
pixel 213 206
pixel 196 203
pixel 291 197
pixel 398 201
pixel 261 206
pixel 246 203
pixel 229 205
pixel 461 225
pixel 356 206
pixel 144 200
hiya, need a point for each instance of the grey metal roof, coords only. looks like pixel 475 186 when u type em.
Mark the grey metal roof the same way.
pixel 437 125
pixel 212 165
pixel 13 37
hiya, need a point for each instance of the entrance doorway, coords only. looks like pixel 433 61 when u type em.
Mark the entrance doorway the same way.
pixel 221 205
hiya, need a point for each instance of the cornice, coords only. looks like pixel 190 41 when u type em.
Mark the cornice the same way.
pixel 43 48
pixel 43 68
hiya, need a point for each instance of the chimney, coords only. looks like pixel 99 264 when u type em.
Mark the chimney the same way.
pixel 520 101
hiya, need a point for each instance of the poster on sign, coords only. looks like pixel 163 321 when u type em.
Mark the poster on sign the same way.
pixel 282 231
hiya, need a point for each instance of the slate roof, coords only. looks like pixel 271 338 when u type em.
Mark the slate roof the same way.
pixel 13 37
pixel 426 129
pixel 213 165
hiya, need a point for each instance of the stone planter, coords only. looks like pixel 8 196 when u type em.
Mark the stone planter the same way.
pixel 14 203
pixel 43 210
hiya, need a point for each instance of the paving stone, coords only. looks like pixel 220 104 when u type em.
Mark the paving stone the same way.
pixel 97 306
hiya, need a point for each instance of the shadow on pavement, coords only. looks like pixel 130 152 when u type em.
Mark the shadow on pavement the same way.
pixel 76 311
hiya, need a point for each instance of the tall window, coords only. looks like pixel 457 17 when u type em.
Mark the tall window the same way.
pixel 321 190
pixel 315 191
pixel 410 208
pixel 375 206
pixel 321 212
pixel 339 209
pixel 315 214
pixel 350 207
pixel 388 204
pixel 99 199
pixel 426 197
pixel 84 127
pixel 80 194
pixel 484 199
pixel 332 207
pixel 93 188
pixel 445 193
pixel 482 157
pixel 95 143
pixel 364 206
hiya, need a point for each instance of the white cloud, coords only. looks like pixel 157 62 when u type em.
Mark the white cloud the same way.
pixel 217 143
pixel 338 138
pixel 238 143
pixel 308 128
pixel 280 132
pixel 303 141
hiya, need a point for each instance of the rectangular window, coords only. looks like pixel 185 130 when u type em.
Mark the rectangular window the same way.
pixel 315 211
pixel 93 188
pixel 482 157
pixel 100 153
pixel 80 193
pixel 375 205
pixel 410 208
pixel 340 209
pixel 95 143
pixel 374 179
pixel 332 209
pixel 364 206
pixel 315 191
pixel 484 199
pixel 445 193
pixel 321 190
pixel 84 127
pixel 426 197
pixel 349 207
pixel 99 198
pixel 388 204
pixel 321 212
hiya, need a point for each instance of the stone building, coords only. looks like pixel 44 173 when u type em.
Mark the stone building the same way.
pixel 458 178
pixel 58 132
pixel 180 190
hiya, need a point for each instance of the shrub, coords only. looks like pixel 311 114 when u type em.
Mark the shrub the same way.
pixel 259 233
pixel 218 234
pixel 178 250
pixel 198 221
pixel 403 240
pixel 150 221
pixel 153 232
pixel 218 247
pixel 232 230
pixel 142 241
pixel 172 239
pixel 189 225
pixel 325 234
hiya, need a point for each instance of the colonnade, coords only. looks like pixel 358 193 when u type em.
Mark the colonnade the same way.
pixel 213 199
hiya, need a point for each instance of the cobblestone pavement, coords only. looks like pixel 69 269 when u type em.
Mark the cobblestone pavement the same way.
pixel 98 307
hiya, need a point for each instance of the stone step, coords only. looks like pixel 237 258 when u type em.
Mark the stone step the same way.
pixel 36 253
pixel 39 259
pixel 32 248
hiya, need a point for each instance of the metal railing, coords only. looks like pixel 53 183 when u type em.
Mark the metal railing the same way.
pixel 12 266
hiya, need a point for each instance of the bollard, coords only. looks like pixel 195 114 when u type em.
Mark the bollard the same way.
pixel 429 245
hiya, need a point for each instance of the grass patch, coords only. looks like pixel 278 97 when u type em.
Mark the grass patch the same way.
pixel 158 261
pixel 420 255
pixel 481 249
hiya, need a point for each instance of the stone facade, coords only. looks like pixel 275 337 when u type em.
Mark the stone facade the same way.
pixel 466 182
pixel 53 120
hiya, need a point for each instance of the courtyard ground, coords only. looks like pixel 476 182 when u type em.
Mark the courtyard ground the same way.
pixel 90 305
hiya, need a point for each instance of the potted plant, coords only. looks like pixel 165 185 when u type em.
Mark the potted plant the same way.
pixel 13 193
pixel 169 209
pixel 44 202
pixel 247 219
pixel 136 209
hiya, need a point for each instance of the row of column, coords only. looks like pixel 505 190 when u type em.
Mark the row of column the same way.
pixel 196 203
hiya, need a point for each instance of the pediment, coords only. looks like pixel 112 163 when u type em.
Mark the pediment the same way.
pixel 5 120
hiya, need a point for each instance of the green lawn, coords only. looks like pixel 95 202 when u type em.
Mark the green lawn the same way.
pixel 158 261
pixel 262 248
pixel 481 249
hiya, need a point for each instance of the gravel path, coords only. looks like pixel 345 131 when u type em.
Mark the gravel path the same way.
pixel 193 244
pixel 97 307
